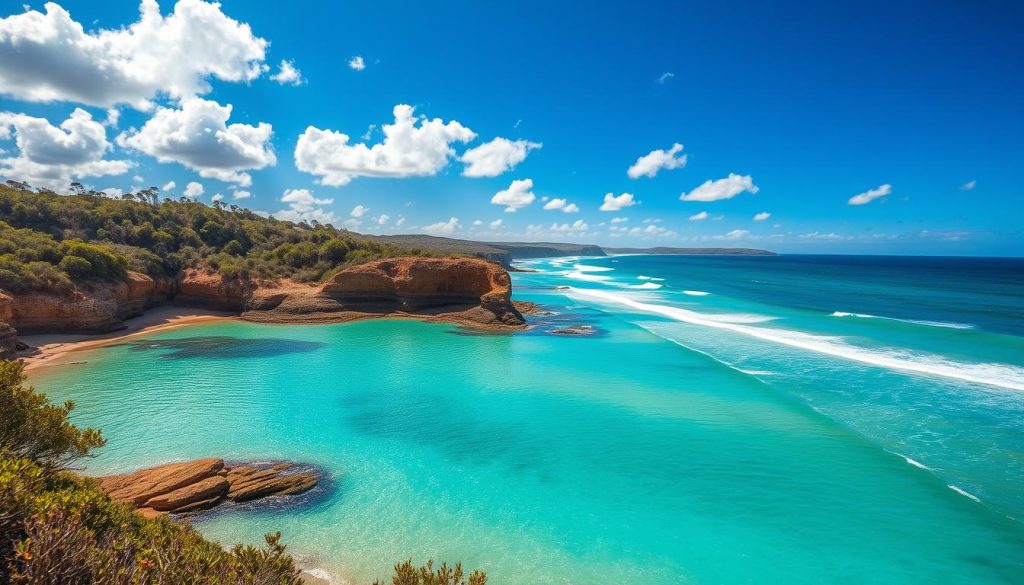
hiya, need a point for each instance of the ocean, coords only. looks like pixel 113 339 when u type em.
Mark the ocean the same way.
pixel 722 420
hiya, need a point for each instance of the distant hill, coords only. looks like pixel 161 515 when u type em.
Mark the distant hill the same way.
pixel 503 252
pixel 692 251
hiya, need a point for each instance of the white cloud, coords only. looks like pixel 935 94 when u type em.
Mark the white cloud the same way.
pixel 649 164
pixel 239 194
pixel 561 204
pixel 113 116
pixel 197 136
pixel 443 228
pixel 478 222
pixel 411 147
pixel 113 192
pixel 357 63
pixel 726 188
pixel 287 74
pixel 664 77
pixel 495 224
pixel 615 203
pixel 400 221
pixel 382 219
pixel 620 219
pixel 699 216
pixel 359 211
pixel 495 157
pixel 217 197
pixel 517 195
pixel 734 235
pixel 577 226
pixel 762 216
pixel 823 236
pixel 652 230
pixel 870 195
pixel 48 56
pixel 193 189
pixel 169 186
pixel 303 206
pixel 52 156
pixel 969 185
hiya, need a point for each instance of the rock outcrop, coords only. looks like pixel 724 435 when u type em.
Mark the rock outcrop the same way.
pixel 181 488
pixel 200 288
pixel 8 335
pixel 470 291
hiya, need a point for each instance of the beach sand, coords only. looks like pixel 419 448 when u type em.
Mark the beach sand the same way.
pixel 53 349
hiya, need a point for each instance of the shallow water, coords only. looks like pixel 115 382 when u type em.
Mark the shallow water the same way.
pixel 753 434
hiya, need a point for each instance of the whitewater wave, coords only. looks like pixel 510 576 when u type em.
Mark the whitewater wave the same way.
pixel 963 493
pixel 1000 375
pixel 696 293
pixel 915 463
pixel 914 321
pixel 586 276
pixel 655 278
pixel 647 285
pixel 586 268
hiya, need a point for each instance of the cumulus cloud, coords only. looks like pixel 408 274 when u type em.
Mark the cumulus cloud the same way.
pixel 726 188
pixel 193 189
pixel 870 195
pixel 577 226
pixel 969 185
pixel 412 147
pixel 518 195
pixel 288 74
pixel 357 63
pixel 664 77
pixel 217 197
pixel 699 216
pixel 734 235
pixel 443 228
pixel 620 219
pixel 652 230
pixel 197 135
pixel 169 186
pixel 495 157
pixel 561 204
pixel 649 164
pixel 617 202
pixel 52 156
pixel 496 224
pixel 239 194
pixel 359 211
pixel 762 216
pixel 382 219
pixel 303 206
pixel 49 56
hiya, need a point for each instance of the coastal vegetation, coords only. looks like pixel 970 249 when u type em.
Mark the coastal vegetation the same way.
pixel 52 242
pixel 57 527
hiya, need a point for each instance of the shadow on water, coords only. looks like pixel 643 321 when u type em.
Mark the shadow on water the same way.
pixel 319 496
pixel 222 347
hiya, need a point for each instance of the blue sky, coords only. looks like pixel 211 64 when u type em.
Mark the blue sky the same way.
pixel 916 107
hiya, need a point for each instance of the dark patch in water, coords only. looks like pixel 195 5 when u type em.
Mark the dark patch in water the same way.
pixel 223 347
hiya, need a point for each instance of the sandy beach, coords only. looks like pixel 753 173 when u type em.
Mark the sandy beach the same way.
pixel 54 349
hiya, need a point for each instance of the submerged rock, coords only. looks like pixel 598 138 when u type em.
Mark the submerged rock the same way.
pixel 575 330
pixel 180 488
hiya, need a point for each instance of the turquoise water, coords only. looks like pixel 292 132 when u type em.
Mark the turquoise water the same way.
pixel 759 433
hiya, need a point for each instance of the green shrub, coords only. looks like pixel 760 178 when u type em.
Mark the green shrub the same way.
pixel 76 266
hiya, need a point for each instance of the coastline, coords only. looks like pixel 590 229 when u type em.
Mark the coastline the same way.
pixel 49 348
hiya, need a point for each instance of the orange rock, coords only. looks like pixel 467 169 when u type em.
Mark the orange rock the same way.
pixel 141 486
pixel 199 495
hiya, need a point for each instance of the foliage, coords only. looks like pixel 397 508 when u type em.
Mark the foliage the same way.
pixel 407 574
pixel 32 428
pixel 41 230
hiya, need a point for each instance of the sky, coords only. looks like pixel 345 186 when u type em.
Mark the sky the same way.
pixel 799 127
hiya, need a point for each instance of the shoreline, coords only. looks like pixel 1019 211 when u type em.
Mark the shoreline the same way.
pixel 48 348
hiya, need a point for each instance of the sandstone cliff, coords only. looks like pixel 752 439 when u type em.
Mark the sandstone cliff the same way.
pixel 470 291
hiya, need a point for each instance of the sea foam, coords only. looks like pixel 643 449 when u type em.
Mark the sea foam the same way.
pixel 1000 375
pixel 913 321
pixel 696 293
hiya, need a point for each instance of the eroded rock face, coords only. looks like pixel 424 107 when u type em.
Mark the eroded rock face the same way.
pixel 469 290
pixel 94 309
pixel 210 290
pixel 180 488
pixel 8 335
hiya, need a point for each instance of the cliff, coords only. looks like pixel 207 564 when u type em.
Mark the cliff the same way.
pixel 468 291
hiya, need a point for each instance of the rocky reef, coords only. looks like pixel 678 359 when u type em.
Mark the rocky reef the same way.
pixel 468 291
pixel 192 486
